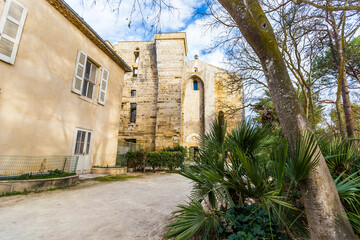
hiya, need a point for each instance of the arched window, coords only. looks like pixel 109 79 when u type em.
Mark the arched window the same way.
pixel 196 69
pixel 196 85
pixel 137 55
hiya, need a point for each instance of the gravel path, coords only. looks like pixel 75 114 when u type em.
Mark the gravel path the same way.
pixel 132 209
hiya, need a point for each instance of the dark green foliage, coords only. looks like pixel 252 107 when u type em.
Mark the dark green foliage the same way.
pixel 253 163
pixel 154 159
pixel 349 192
pixel 173 160
pixel 157 160
pixel 306 157
pixel 50 174
pixel 136 159
pixel 340 156
pixel 249 164
pixel 343 162
pixel 192 221
pixel 248 137
pixel 178 148
pixel 326 68
pixel 250 222
pixel 170 160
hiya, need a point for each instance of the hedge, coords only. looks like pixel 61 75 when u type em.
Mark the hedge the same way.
pixel 136 159
pixel 163 159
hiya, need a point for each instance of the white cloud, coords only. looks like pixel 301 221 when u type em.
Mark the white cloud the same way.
pixel 113 26
pixel 199 39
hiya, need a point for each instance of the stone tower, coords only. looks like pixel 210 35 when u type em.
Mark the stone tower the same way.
pixel 170 60
pixel 166 100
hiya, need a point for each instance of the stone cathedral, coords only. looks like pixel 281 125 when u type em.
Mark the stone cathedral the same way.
pixel 168 101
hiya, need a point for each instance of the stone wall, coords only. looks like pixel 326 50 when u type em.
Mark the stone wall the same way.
pixel 169 111
pixel 228 100
pixel 145 84
pixel 170 57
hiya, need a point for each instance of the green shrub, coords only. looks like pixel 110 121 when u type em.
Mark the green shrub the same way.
pixel 164 159
pixel 250 222
pixel 178 148
pixel 136 159
pixel 154 159
pixel 56 172
pixel 173 159
pixel 50 174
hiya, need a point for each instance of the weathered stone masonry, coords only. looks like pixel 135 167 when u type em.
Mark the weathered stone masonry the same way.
pixel 169 111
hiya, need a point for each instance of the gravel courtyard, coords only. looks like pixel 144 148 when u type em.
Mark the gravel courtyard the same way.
pixel 137 208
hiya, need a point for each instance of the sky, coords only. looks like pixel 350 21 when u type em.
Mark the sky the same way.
pixel 112 23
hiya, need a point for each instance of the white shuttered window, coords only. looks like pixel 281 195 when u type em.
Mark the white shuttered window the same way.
pixel 11 25
pixel 79 72
pixel 103 86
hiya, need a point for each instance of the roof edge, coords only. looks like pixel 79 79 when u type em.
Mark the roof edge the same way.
pixel 63 8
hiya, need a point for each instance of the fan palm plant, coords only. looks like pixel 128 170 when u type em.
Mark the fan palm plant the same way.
pixel 343 162
pixel 340 156
pixel 248 165
pixel 349 192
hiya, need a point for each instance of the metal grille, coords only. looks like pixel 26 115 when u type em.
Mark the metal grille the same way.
pixel 17 165
pixel 123 148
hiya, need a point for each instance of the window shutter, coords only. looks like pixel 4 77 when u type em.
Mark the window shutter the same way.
pixel 11 25
pixel 103 86
pixel 79 72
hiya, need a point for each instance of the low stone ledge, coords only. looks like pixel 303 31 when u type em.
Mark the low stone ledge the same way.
pixel 115 171
pixel 37 184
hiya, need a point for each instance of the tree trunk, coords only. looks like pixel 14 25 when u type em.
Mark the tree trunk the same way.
pixel 340 121
pixel 338 111
pixel 311 105
pixel 347 107
pixel 325 213
pixel 342 80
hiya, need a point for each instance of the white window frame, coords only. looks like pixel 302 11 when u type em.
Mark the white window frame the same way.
pixel 20 23
pixel 81 78
pixel 86 136
pixel 93 65
pixel 101 85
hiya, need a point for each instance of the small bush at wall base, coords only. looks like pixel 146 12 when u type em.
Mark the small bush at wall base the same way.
pixel 250 222
pixel 136 159
pixel 164 159
pixel 154 159
pixel 178 148
pixel 173 160
pixel 157 159
pixel 50 174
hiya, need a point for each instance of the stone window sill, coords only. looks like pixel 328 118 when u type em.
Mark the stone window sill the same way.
pixel 92 101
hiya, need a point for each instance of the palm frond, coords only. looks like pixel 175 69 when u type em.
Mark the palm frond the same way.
pixel 191 221
pixel 248 137
pixel 213 140
pixel 279 159
pixel 354 219
pixel 349 189
pixel 306 157
pixel 339 154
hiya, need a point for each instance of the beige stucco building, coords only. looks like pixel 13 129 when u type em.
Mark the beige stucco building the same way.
pixel 63 89
pixel 168 101
pixel 60 85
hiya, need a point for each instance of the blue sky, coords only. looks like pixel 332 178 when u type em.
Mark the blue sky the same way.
pixel 113 25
